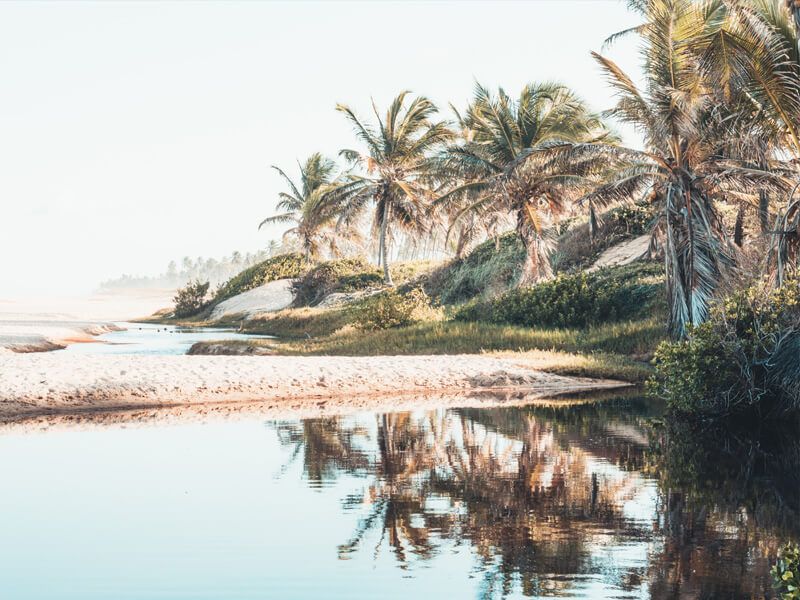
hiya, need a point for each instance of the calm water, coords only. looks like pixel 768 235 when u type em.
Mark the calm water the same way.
pixel 144 338
pixel 584 502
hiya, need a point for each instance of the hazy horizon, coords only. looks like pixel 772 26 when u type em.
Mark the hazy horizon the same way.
pixel 139 133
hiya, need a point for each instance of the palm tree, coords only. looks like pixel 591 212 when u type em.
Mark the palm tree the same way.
pixel 503 161
pixel 684 110
pixel 396 169
pixel 756 51
pixel 306 207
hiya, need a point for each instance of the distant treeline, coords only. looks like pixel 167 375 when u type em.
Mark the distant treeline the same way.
pixel 215 271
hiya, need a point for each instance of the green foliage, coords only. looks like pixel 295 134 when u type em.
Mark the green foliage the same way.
pixel 351 275
pixel 786 572
pixel 191 299
pixel 574 300
pixel 393 309
pixel 344 275
pixel 285 266
pixel 491 267
pixel 576 248
pixel 743 359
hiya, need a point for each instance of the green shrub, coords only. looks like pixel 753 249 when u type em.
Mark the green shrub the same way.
pixel 190 299
pixel 786 573
pixel 743 359
pixel 351 275
pixel 285 266
pixel 490 268
pixel 575 300
pixel 576 248
pixel 393 309
pixel 344 275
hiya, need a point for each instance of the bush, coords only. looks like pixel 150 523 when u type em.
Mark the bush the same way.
pixel 742 360
pixel 786 573
pixel 576 248
pixel 490 268
pixel 574 300
pixel 191 299
pixel 344 275
pixel 285 266
pixel 393 309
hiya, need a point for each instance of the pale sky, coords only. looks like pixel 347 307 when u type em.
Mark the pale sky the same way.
pixel 132 134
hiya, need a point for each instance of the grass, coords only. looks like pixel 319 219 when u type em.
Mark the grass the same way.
pixel 489 269
pixel 611 351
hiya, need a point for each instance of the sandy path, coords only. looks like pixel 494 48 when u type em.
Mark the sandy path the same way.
pixel 51 383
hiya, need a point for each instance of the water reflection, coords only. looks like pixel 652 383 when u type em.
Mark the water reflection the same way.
pixel 585 501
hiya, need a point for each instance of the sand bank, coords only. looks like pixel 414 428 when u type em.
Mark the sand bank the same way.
pixel 36 384
pixel 43 324
pixel 39 335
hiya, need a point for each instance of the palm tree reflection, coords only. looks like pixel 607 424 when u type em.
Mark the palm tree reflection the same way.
pixel 546 499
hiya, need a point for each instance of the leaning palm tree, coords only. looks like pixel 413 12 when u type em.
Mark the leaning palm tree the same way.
pixel 684 109
pixel 503 161
pixel 305 206
pixel 395 170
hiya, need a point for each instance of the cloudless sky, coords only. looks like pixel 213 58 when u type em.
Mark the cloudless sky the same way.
pixel 134 133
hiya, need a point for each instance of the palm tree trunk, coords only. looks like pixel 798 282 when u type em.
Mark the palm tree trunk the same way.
pixel 536 266
pixel 593 225
pixel 738 229
pixel 387 276
pixel 763 211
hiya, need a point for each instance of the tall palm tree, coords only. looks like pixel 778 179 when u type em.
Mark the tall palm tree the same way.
pixel 396 171
pixel 503 160
pixel 683 110
pixel 305 206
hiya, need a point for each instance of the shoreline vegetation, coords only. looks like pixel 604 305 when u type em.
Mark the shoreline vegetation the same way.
pixel 587 325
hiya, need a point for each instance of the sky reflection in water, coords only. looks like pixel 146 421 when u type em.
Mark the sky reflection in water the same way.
pixel 580 502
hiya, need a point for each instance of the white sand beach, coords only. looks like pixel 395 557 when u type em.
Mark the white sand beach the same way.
pixel 32 384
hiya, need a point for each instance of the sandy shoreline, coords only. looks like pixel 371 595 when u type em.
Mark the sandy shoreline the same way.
pixel 45 324
pixel 36 335
pixel 38 384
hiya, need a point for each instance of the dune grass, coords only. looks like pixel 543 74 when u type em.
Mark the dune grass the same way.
pixel 614 351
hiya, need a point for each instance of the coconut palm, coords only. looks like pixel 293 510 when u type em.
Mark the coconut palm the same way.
pixel 684 110
pixel 395 169
pixel 305 206
pixel 503 161
pixel 756 53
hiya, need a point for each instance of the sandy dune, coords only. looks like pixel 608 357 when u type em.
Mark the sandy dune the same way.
pixel 32 384
pixel 36 335
pixel 270 297
pixel 624 253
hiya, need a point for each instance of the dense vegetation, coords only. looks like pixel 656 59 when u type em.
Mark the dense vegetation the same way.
pixel 575 300
pixel 191 299
pixel 744 359
pixel 285 266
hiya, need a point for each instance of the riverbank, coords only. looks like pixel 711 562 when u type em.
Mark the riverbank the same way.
pixel 52 384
